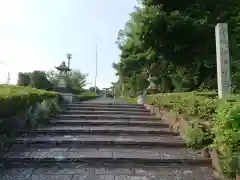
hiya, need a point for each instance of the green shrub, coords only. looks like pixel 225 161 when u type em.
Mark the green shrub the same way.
pixel 37 115
pixel 36 79
pixel 40 113
pixel 23 79
pixel 130 99
pixel 87 95
pixel 39 80
pixel 227 134
pixel 197 136
pixel 15 99
pixel 194 136
pixel 53 107
pixel 192 104
pixel 211 122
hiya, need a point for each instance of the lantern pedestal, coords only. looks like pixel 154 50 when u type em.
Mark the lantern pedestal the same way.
pixel 68 97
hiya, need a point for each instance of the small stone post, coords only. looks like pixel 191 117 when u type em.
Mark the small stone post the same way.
pixel 141 99
pixel 223 62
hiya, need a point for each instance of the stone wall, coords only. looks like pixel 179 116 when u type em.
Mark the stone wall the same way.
pixel 176 121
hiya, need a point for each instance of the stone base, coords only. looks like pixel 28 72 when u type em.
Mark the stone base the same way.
pixel 141 100
pixel 68 97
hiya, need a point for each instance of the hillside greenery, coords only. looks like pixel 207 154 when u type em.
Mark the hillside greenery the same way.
pixel 175 42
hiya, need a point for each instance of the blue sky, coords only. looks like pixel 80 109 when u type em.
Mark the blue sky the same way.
pixel 37 34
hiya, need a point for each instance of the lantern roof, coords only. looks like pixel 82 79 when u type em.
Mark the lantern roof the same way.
pixel 62 67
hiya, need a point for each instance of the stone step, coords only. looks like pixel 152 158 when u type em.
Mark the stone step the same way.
pixel 75 141
pixel 99 108
pixel 107 105
pixel 86 112
pixel 106 171
pixel 119 122
pixel 114 155
pixel 108 130
pixel 105 116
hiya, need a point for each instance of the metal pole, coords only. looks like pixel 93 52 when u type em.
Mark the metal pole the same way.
pixel 96 70
pixel 8 78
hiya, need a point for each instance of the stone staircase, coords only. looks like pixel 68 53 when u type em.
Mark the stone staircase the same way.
pixel 106 135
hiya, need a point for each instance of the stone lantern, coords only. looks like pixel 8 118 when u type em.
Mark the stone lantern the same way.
pixel 152 86
pixel 62 84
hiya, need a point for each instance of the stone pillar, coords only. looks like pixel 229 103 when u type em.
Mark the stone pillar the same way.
pixel 223 62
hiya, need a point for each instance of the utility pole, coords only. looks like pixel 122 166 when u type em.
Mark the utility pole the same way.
pixel 8 75
pixel 8 78
pixel 69 57
pixel 96 65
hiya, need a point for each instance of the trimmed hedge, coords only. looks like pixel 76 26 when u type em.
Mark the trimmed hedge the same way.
pixel 213 123
pixel 15 99
pixel 194 105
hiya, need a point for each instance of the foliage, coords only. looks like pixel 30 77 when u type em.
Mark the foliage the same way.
pixel 36 79
pixel 210 122
pixel 40 113
pixel 75 80
pixel 53 77
pixel 87 95
pixel 23 79
pixel 92 89
pixel 175 42
pixel 227 132
pixel 196 105
pixel 39 80
pixel 48 80
pixel 53 106
pixel 14 99
pixel 130 99
pixel 36 115
pixel 194 135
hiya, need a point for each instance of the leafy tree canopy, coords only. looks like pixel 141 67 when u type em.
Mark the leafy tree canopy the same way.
pixel 175 42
